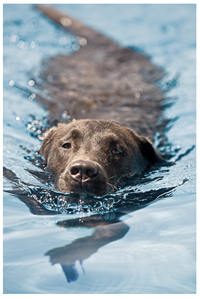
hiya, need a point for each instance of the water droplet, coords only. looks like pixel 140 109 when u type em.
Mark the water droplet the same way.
pixel 14 38
pixel 12 82
pixel 32 96
pixel 137 95
pixel 40 137
pixel 50 78
pixel 64 115
pixel 170 30
pixel 67 22
pixel 63 41
pixel 82 41
pixel 32 45
pixel 75 46
pixel 31 82
pixel 20 44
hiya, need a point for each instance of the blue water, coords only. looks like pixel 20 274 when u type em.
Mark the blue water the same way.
pixel 157 254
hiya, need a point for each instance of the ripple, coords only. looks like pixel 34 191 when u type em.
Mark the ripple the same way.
pixel 72 204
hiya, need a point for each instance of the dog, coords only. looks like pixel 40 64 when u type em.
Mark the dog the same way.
pixel 111 92
pixel 99 82
pixel 93 156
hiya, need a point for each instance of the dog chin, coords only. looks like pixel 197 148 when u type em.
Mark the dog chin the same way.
pixel 82 190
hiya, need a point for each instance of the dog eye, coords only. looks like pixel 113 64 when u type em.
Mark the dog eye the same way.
pixel 66 145
pixel 116 152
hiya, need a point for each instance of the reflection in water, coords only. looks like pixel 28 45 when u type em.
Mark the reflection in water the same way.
pixel 104 216
pixel 106 231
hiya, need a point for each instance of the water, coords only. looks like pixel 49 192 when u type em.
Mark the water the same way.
pixel 154 248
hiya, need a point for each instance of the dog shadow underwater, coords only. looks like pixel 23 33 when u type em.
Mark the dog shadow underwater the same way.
pixel 107 222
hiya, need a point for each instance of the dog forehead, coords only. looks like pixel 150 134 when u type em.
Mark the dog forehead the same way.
pixel 97 130
pixel 94 126
pixel 97 134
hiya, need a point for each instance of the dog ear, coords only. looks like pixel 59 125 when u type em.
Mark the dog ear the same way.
pixel 149 153
pixel 47 141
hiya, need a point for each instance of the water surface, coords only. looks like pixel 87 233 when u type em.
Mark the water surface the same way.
pixel 155 252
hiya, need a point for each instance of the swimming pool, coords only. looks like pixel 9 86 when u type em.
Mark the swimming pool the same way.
pixel 157 252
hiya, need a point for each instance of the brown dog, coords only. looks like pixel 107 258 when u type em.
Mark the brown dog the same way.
pixel 99 81
pixel 92 156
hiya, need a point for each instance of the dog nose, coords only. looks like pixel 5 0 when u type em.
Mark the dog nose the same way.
pixel 83 170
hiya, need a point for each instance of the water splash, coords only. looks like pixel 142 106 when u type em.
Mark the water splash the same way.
pixel 70 203
pixel 37 128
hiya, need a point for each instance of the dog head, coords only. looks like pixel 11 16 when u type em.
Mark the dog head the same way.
pixel 93 156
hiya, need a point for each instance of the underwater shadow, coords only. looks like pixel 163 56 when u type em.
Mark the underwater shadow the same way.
pixel 105 217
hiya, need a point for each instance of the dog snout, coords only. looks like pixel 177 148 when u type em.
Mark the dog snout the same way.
pixel 83 171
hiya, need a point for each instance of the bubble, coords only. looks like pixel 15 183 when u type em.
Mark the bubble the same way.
pixel 11 82
pixel 63 41
pixel 50 78
pixel 17 118
pixel 169 29
pixel 75 46
pixel 14 38
pixel 20 44
pixel 31 82
pixel 137 95
pixel 32 45
pixel 37 128
pixel 66 22
pixel 32 96
pixel 64 115
pixel 40 137
pixel 82 41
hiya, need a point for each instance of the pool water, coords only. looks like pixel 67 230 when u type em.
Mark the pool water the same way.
pixel 154 249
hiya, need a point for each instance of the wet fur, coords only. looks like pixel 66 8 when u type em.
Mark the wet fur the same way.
pixel 113 150
pixel 101 81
